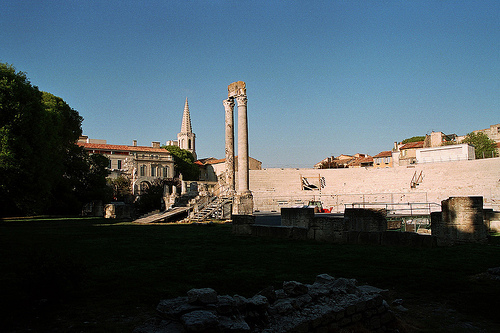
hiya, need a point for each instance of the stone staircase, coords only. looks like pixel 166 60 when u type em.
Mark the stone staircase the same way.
pixel 157 216
pixel 212 209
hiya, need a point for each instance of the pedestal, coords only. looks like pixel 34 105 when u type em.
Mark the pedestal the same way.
pixel 243 204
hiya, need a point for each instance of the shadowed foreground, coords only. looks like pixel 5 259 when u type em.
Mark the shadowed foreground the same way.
pixel 86 275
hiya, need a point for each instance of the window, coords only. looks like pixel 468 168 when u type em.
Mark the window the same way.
pixel 387 160
pixel 119 164
pixel 143 171
pixel 153 171
pixel 165 172
pixel 109 164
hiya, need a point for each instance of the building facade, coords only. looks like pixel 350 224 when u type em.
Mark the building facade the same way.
pixel 142 165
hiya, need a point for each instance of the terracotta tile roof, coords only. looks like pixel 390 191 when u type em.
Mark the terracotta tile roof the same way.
pixel 386 153
pixel 100 146
pixel 367 159
pixel 210 160
pixel 413 145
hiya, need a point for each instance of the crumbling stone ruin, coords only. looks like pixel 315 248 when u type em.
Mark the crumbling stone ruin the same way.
pixel 327 305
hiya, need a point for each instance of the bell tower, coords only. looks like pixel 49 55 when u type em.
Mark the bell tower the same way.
pixel 186 138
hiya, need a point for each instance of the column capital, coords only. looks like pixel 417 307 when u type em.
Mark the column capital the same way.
pixel 242 100
pixel 228 103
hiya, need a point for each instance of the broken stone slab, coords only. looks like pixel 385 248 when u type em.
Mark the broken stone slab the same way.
pixel 225 305
pixel 202 296
pixel 258 303
pixel 282 306
pixel 346 285
pixel 324 278
pixel 294 288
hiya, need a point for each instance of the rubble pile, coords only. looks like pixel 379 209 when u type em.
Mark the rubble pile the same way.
pixel 327 305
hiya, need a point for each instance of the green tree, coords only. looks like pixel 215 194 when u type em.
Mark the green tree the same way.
pixel 151 198
pixel 41 168
pixel 184 163
pixel 413 139
pixel 122 189
pixel 23 162
pixel 484 146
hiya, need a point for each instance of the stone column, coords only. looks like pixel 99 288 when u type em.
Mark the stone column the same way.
pixel 229 107
pixel 244 199
pixel 243 178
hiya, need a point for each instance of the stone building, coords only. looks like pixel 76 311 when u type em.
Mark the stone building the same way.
pixel 211 168
pixel 140 164
pixel 493 132
pixel 408 152
pixel 383 160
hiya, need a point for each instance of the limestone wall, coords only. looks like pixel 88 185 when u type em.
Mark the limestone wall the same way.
pixel 358 226
pixel 276 188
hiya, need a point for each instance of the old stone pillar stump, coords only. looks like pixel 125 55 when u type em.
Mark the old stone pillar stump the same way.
pixel 462 221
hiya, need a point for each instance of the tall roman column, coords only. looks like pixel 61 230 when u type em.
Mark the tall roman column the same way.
pixel 243 175
pixel 229 107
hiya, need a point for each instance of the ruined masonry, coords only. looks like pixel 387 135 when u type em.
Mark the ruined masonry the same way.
pixel 326 305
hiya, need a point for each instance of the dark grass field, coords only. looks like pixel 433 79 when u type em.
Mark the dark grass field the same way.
pixel 90 275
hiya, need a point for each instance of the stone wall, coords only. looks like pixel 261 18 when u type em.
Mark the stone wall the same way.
pixel 297 217
pixel 276 188
pixel 329 304
pixel 358 226
pixel 492 220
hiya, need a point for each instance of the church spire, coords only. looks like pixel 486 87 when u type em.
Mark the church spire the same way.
pixel 186 138
pixel 186 120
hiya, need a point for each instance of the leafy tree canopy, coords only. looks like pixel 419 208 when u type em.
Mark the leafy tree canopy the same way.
pixel 413 139
pixel 41 168
pixel 184 163
pixel 122 189
pixel 484 146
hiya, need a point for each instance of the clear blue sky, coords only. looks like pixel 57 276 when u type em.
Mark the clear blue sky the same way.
pixel 323 77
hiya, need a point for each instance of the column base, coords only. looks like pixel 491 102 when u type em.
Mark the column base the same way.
pixel 243 204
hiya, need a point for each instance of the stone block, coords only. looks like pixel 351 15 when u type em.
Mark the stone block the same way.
pixel 242 224
pixel 324 278
pixel 297 217
pixel 202 296
pixel 360 219
pixel 294 288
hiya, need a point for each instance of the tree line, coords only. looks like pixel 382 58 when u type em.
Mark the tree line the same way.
pixel 42 170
